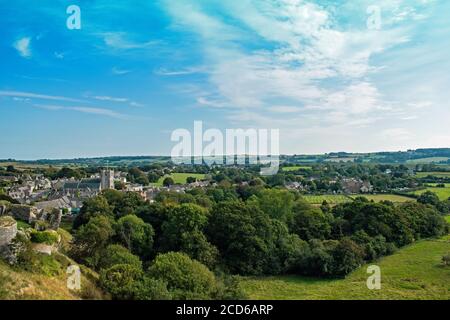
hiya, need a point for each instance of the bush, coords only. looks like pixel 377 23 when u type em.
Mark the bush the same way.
pixel 135 235
pixel 46 237
pixel 127 282
pixel 185 278
pixel 120 281
pixel 116 254
pixel 446 260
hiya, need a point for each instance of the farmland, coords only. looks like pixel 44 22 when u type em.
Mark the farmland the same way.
pixel 180 178
pixel 296 168
pixel 442 174
pixel 414 272
pixel 387 197
pixel 428 160
pixel 442 193
pixel 331 199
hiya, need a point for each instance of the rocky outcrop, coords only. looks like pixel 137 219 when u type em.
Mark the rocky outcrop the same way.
pixel 8 230
pixel 3 209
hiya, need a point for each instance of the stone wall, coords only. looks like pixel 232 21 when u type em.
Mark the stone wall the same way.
pixel 23 212
pixel 8 230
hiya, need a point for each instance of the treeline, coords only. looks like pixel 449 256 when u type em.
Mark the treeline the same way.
pixel 190 246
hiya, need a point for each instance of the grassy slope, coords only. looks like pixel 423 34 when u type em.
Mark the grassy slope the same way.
pixel 16 284
pixel 414 272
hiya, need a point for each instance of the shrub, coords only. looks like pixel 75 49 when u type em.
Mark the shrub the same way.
pixel 116 254
pixel 46 237
pixel 185 278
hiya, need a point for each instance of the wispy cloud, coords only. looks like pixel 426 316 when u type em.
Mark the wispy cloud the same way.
pixel 23 47
pixel 82 109
pixel 119 71
pixel 21 94
pixel 121 41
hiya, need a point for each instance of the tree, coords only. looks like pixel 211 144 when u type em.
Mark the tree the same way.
pixel 92 238
pixel 117 254
pixel 185 218
pixel 191 180
pixel 347 256
pixel 428 198
pixel 309 222
pixel 120 281
pixel 168 182
pixel 244 236
pixel 275 203
pixel 92 207
pixel 135 235
pixel 185 278
pixel 128 282
pixel 183 231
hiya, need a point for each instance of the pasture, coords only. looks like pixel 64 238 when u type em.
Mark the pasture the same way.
pixel 442 174
pixel 442 193
pixel 180 178
pixel 412 273
pixel 428 160
pixel 331 199
pixel 386 197
pixel 296 168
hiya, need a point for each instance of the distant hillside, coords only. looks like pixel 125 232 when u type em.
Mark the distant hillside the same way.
pixel 419 156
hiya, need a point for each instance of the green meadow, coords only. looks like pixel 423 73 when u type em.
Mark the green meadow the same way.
pixel 433 174
pixel 386 197
pixel 331 199
pixel 442 193
pixel 296 168
pixel 412 273
pixel 180 178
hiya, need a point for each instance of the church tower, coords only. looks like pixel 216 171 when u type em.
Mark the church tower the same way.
pixel 107 179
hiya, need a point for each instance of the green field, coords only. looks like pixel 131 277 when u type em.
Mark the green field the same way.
pixel 434 174
pixel 295 168
pixel 180 178
pixel 331 199
pixel 414 272
pixel 442 193
pixel 428 160
pixel 386 197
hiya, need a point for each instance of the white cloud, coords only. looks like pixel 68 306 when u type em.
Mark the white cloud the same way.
pixel 23 47
pixel 30 95
pixel 88 110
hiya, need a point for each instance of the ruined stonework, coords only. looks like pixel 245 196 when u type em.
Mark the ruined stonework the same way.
pixel 54 219
pixel 23 212
pixel 8 230
pixel 3 210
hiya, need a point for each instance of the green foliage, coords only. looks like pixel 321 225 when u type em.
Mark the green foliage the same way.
pixel 168 182
pixel 136 235
pixel 46 237
pixel 93 207
pixel 185 278
pixel 428 198
pixel 116 254
pixel 309 222
pixel 275 203
pixel 91 239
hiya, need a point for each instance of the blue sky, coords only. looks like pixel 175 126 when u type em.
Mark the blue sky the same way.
pixel 137 70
